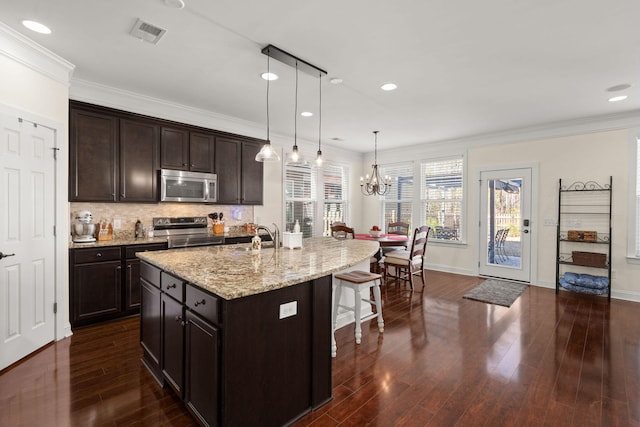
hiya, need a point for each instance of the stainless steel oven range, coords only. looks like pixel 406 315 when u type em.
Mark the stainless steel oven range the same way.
pixel 184 232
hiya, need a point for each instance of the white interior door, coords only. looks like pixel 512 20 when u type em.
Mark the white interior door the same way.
pixel 27 286
pixel 505 224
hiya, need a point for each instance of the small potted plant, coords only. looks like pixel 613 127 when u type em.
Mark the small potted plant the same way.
pixel 375 231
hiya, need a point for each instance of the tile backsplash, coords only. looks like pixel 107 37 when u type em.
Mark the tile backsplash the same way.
pixel 129 213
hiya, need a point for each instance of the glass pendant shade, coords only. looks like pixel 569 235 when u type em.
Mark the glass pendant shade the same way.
pixel 267 153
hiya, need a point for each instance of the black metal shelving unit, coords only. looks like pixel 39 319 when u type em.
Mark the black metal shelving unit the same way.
pixel 584 208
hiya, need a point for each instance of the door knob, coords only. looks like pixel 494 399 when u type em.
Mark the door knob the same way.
pixel 5 255
pixel 525 231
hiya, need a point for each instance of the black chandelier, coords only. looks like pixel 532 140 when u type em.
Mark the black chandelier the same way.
pixel 375 184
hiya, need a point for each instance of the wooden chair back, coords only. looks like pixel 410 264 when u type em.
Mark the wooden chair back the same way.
pixel 400 228
pixel 342 232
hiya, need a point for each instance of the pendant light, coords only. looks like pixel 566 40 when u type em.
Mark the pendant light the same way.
pixel 319 159
pixel 375 184
pixel 295 157
pixel 267 153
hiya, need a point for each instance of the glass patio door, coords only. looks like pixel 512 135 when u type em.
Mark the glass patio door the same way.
pixel 505 238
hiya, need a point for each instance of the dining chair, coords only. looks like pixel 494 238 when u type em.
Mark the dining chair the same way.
pixel 398 228
pixel 407 263
pixel 341 232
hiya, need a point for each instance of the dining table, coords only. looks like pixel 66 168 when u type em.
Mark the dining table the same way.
pixel 385 239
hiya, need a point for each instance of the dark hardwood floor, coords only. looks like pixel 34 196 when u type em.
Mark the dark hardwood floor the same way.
pixel 442 361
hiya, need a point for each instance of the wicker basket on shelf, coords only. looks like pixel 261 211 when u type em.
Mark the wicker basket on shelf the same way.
pixel 589 259
pixel 582 236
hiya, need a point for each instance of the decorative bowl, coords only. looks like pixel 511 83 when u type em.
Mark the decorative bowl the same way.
pixel 375 233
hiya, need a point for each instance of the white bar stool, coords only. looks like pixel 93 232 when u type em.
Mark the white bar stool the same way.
pixel 356 280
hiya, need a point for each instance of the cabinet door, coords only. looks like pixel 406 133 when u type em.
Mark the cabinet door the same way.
pixel 150 326
pixel 132 285
pixel 173 342
pixel 201 147
pixel 227 161
pixel 96 291
pixel 251 174
pixel 139 157
pixel 174 149
pixel 93 153
pixel 201 369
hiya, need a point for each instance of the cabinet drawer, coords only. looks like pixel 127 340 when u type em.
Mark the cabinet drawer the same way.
pixel 130 251
pixel 172 286
pixel 204 304
pixel 150 274
pixel 83 256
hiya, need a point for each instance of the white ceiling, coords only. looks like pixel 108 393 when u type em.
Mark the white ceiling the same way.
pixel 462 68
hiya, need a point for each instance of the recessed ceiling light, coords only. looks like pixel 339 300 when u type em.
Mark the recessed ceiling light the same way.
pixel 178 4
pixel 269 76
pixel 389 86
pixel 617 88
pixel 306 114
pixel 335 80
pixel 36 26
pixel 618 98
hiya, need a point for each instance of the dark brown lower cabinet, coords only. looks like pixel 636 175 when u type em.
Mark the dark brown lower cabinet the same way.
pixel 105 282
pixel 151 326
pixel 201 369
pixel 97 291
pixel 173 342
pixel 242 363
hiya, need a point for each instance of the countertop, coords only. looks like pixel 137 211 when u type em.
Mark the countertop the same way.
pixel 143 240
pixel 234 271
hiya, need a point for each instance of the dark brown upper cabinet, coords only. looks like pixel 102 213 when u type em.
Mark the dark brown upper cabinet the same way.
pixel 252 179
pixel 93 154
pixel 239 175
pixel 139 158
pixel 112 159
pixel 184 150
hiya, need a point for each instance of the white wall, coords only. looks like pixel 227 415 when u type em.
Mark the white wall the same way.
pixel 583 157
pixel 34 83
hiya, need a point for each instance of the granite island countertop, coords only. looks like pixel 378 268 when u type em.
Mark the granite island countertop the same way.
pixel 235 271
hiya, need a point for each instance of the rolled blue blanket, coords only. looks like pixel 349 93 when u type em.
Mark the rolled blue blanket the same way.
pixel 586 280
pixel 582 289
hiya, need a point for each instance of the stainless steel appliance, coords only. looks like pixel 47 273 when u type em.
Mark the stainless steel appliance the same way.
pixel 183 232
pixel 83 230
pixel 191 187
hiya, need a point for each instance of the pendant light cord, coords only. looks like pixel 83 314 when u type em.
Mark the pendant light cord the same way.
pixel 268 77
pixel 320 111
pixel 295 115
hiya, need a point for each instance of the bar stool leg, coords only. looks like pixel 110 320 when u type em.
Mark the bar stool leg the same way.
pixel 378 298
pixel 358 303
pixel 334 322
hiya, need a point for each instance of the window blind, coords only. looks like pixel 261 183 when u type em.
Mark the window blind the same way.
pixel 441 192
pixel 398 201
pixel 335 191
pixel 300 198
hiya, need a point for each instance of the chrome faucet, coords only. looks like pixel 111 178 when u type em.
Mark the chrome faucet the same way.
pixel 275 236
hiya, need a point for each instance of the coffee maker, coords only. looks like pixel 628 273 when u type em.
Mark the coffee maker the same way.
pixel 83 230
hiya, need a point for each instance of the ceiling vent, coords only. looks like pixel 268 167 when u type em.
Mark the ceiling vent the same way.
pixel 147 32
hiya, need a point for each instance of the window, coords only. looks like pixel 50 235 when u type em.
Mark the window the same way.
pixel 441 194
pixel 398 201
pixel 336 188
pixel 302 183
pixel 300 197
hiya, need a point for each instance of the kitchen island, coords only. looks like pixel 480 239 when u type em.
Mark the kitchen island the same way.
pixel 244 338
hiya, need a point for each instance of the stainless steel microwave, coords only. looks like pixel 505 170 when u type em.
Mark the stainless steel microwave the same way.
pixel 189 187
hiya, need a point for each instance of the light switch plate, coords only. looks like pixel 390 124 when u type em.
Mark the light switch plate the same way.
pixel 117 224
pixel 288 309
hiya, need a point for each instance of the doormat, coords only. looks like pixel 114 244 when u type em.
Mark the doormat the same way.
pixel 499 292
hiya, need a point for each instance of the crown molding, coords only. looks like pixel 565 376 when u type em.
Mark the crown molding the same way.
pixel 581 126
pixel 112 97
pixel 25 51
